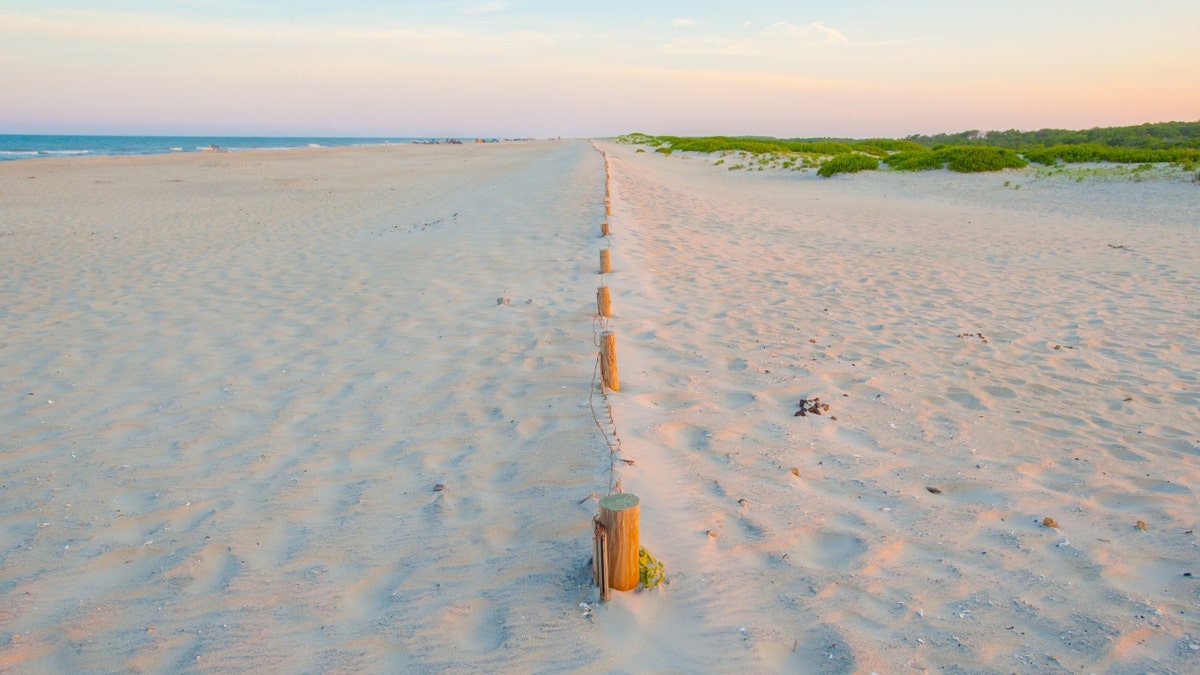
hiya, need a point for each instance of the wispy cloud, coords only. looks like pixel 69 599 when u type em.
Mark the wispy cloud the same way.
pixel 763 47
pixel 832 35
pixel 816 31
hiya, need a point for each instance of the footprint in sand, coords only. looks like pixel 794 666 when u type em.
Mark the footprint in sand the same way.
pixel 831 550
pixel 737 364
pixel 966 399
pixel 684 436
pixel 208 571
pixel 475 627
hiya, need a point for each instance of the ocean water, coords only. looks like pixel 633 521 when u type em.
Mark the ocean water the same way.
pixel 13 147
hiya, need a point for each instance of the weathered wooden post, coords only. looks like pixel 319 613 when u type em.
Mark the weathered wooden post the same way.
pixel 603 302
pixel 600 558
pixel 604 229
pixel 605 261
pixel 608 360
pixel 608 207
pixel 619 514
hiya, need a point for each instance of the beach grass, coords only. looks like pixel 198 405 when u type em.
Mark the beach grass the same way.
pixel 1094 152
pixel 963 159
pixel 848 163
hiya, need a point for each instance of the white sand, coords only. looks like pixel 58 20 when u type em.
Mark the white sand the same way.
pixel 232 383
pixel 740 293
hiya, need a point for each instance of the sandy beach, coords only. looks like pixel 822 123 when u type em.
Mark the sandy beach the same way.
pixel 331 410
pixel 990 357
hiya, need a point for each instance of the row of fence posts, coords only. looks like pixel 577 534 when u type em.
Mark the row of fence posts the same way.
pixel 615 536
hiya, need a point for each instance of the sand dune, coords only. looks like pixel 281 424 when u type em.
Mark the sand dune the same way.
pixel 328 410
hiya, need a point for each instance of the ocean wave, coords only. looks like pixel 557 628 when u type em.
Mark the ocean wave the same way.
pixel 19 147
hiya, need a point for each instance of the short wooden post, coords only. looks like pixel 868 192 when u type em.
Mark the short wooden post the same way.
pixel 604 229
pixel 619 514
pixel 608 360
pixel 603 302
pixel 608 207
pixel 605 261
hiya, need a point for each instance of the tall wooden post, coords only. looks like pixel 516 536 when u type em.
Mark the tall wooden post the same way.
pixel 619 514
pixel 608 360
pixel 603 302
pixel 605 261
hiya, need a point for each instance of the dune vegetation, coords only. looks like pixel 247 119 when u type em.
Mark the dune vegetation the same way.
pixel 1169 143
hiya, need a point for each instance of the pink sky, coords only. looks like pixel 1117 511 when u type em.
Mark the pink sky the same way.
pixel 512 69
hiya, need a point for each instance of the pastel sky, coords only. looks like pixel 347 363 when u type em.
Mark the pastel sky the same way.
pixel 509 68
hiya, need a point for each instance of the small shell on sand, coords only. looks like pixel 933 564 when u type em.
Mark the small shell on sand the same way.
pixel 1049 522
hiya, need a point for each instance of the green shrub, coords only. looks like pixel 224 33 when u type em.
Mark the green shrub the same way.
pixel 1093 152
pixel 848 163
pixel 637 139
pixel 915 160
pixel 757 146
pixel 973 159
pixel 872 150
pixel 961 158
pixel 828 148
pixel 887 145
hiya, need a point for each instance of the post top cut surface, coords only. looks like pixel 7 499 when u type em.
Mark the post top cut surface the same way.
pixel 619 501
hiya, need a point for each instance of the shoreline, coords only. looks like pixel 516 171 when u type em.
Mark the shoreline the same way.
pixel 17 147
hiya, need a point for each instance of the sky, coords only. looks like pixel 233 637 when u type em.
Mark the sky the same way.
pixel 544 68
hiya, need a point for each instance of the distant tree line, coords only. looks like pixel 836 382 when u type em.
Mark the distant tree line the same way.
pixel 1157 136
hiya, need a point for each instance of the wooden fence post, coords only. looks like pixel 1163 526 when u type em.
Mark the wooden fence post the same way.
pixel 604 229
pixel 603 302
pixel 619 514
pixel 608 360
pixel 605 261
